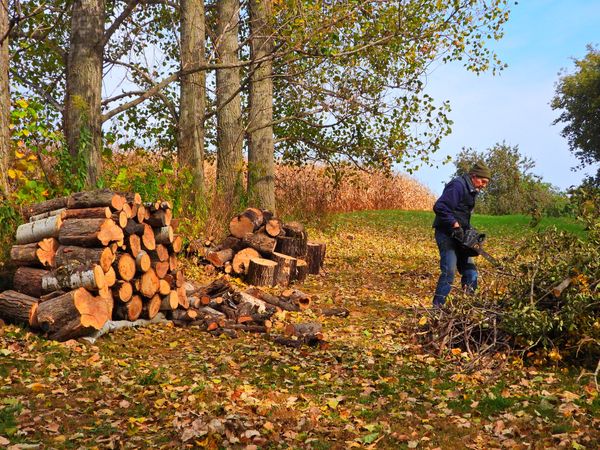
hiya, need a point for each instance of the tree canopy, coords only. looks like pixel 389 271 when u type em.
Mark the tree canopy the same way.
pixel 577 97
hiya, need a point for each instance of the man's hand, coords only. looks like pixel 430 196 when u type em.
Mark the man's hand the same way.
pixel 458 234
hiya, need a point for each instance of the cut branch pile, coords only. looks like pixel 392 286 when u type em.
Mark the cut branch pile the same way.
pixel 221 309
pixel 90 257
pixel 266 251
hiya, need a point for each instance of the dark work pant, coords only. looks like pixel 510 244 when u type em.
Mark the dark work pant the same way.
pixel 451 259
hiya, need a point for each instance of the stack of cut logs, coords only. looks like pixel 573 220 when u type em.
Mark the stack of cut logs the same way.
pixel 90 257
pixel 267 251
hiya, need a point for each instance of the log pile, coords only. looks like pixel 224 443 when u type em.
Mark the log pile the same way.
pixel 90 257
pixel 265 251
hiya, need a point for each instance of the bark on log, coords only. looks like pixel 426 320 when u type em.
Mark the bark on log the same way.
pixel 160 218
pixel 164 235
pixel 291 246
pixel 74 276
pixel 100 212
pixel 16 307
pixel 297 297
pixel 130 310
pixel 29 281
pixel 315 255
pixel 58 212
pixel 90 199
pixel 66 255
pixel 30 232
pixel 272 300
pixel 132 197
pixel 294 229
pixel 241 260
pixel 72 315
pixel 219 258
pixel 41 253
pixel 231 242
pixel 43 207
pixel 184 315
pixel 260 242
pixel 301 270
pixel 89 232
pixel 247 222
pixel 134 228
pixel 303 329
pixel 286 268
pixel 214 289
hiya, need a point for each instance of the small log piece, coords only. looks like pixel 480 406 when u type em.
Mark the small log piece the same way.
pixel 304 329
pixel 148 241
pixel 57 212
pixel 247 222
pixel 301 270
pixel 110 277
pixel 130 310
pixel 261 242
pixel 291 246
pixel 273 227
pixel 67 254
pixel 45 206
pixel 125 266
pixel 151 307
pixel 241 260
pixel 177 244
pixel 123 291
pixel 74 276
pixel 91 199
pixel 160 218
pixel 72 315
pixel 272 300
pixel 30 232
pixel 143 263
pixel 169 302
pixel 164 235
pixel 37 254
pixel 16 307
pixel 149 284
pixel 315 255
pixel 29 281
pixel 286 268
pixel 261 272
pixel 219 258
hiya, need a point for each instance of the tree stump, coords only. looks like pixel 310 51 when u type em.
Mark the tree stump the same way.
pixel 261 272
pixel 315 255
pixel 301 270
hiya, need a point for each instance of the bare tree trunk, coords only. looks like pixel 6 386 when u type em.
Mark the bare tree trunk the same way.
pixel 229 116
pixel 5 153
pixel 193 92
pixel 82 118
pixel 261 151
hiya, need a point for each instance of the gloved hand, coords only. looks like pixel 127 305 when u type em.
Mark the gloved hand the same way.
pixel 458 234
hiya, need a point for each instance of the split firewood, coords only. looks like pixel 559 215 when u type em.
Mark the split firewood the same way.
pixel 182 297
pixel 38 254
pixel 123 290
pixel 127 210
pixel 219 258
pixel 272 300
pixel 30 232
pixel 72 315
pixel 173 262
pixel 247 222
pixel 151 307
pixel 134 245
pixel 315 255
pixel 53 204
pixel 89 232
pixel 160 267
pixel 68 254
pixel 148 241
pixel 177 244
pixel 297 297
pixel 163 287
pixel 286 268
pixel 90 199
pixel 16 307
pixel 160 253
pixel 130 310
pixel 169 302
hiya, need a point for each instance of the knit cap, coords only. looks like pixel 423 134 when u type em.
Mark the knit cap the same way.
pixel 481 170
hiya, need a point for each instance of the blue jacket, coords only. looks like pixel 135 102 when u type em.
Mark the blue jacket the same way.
pixel 455 204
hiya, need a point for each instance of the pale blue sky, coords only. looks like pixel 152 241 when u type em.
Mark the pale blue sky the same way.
pixel 541 37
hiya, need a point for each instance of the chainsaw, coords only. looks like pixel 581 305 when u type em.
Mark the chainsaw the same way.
pixel 472 244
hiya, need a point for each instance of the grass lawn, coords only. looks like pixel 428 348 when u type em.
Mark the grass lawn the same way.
pixel 373 386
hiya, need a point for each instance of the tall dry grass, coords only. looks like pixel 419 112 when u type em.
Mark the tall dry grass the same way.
pixel 308 191
pixel 305 193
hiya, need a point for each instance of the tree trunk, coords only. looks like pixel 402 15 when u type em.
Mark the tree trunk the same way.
pixel 193 91
pixel 261 272
pixel 5 148
pixel 82 116
pixel 48 206
pixel 230 132
pixel 261 150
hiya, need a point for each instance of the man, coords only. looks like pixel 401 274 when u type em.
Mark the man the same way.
pixel 452 217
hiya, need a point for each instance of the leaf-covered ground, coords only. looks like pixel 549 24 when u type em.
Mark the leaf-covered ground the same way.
pixel 372 387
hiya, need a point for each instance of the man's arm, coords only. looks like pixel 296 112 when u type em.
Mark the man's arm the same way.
pixel 448 201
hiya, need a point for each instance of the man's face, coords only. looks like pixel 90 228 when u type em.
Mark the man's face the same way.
pixel 479 183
